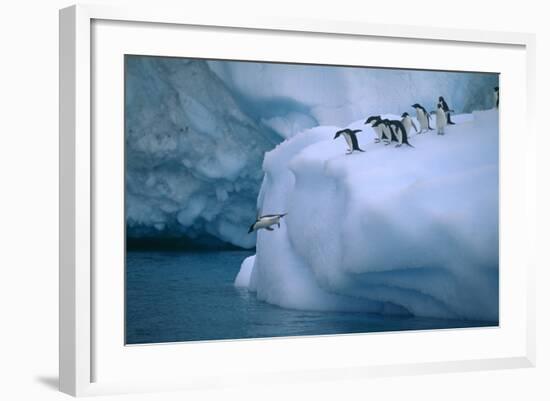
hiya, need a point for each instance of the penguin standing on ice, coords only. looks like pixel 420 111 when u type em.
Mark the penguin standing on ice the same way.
pixel 351 139
pixel 266 222
pixel 387 132
pixel 378 129
pixel 400 133
pixel 496 95
pixel 423 117
pixel 446 109
pixel 440 120
pixel 408 123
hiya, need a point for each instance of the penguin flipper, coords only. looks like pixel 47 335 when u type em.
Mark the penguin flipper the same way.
pixel 269 229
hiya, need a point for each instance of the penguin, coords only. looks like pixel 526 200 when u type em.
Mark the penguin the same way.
pixel 408 123
pixel 398 129
pixel 423 117
pixel 446 109
pixel 351 139
pixel 266 222
pixel 440 120
pixel 378 129
pixel 496 95
pixel 387 131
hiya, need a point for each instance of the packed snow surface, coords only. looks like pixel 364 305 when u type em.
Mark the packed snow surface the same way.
pixel 391 230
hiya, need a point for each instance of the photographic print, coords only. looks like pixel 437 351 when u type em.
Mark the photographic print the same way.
pixel 271 199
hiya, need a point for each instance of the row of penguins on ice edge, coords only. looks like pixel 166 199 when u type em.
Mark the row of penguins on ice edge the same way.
pixel 387 131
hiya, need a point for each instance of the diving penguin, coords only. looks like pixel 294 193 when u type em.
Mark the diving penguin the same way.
pixel 351 139
pixel 266 222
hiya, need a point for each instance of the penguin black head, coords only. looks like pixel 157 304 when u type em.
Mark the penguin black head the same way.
pixel 346 131
pixel 377 123
pixel 404 115
pixel 438 106
pixel 441 98
pixel 372 118
pixel 385 121
pixel 415 106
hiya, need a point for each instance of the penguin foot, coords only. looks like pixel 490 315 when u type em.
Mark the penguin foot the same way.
pixel 451 123
pixel 376 140
pixel 398 145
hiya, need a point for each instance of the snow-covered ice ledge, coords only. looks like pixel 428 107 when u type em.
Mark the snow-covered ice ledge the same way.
pixel 406 231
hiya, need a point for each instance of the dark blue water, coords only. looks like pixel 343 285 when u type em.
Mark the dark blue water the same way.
pixel 190 296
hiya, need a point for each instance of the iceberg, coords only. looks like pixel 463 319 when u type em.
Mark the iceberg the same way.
pixel 196 132
pixel 410 231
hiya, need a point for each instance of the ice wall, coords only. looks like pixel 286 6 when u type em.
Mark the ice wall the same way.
pixel 328 95
pixel 391 230
pixel 193 156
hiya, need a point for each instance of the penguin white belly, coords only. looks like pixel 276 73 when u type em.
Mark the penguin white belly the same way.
pixel 423 120
pixel 398 135
pixel 266 222
pixel 348 141
pixel 441 119
pixel 378 131
pixel 407 124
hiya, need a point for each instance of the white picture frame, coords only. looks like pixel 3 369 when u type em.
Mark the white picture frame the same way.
pixel 82 345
